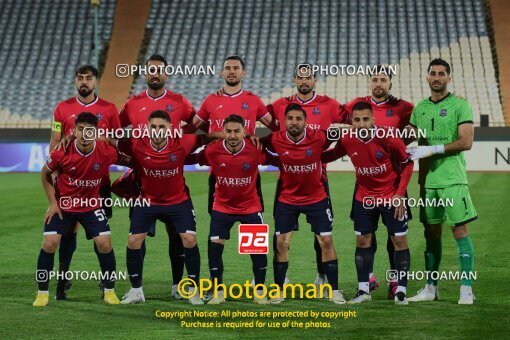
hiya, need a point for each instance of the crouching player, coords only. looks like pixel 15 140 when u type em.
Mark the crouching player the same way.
pixel 383 171
pixel 234 163
pixel 81 166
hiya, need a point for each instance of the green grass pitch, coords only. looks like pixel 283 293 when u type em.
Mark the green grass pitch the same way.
pixel 24 203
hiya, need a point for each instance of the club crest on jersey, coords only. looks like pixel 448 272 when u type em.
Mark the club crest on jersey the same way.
pixel 173 157
pixel 169 108
pixel 378 154
pixel 389 113
pixel 308 152
pixel 442 113
pixel 244 106
pixel 316 111
pixel 99 116
pixel 246 166
pixel 48 160
pixel 96 166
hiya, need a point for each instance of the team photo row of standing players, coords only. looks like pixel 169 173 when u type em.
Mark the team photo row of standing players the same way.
pixel 298 145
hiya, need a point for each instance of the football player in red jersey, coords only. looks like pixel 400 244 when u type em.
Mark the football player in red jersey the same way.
pixel 321 112
pixel 135 114
pixel 393 113
pixel 302 191
pixel 82 167
pixel 234 164
pixel 86 81
pixel 383 171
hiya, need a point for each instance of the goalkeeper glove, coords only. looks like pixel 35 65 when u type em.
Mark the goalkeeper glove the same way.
pixel 424 151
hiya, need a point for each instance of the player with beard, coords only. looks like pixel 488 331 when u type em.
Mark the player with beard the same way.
pixel 86 81
pixel 390 112
pixel 135 114
pixel 321 112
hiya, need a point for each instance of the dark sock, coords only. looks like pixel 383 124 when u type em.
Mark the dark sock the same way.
pixel 275 248
pixel 66 250
pixel 280 270
pixel 363 258
pixel 215 254
pixel 433 254
pixel 176 254
pixel 402 263
pixel 144 249
pixel 108 266
pixel 318 255
pixel 44 267
pixel 192 262
pixel 259 267
pixel 331 270
pixel 373 247
pixel 134 262
pixel 390 247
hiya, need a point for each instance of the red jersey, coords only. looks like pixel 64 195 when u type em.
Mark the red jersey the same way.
pixel 160 171
pixel 321 111
pixel 80 175
pixel 382 166
pixel 301 166
pixel 218 106
pixel 236 176
pixel 393 113
pixel 66 112
pixel 137 109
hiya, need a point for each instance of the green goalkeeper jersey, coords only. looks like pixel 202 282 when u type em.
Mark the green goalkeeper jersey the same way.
pixel 439 122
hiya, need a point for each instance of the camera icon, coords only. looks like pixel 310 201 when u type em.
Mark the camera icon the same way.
pixel 65 202
pixel 333 133
pixel 392 275
pixel 122 70
pixel 304 70
pixel 368 202
pixel 42 275
pixel 89 133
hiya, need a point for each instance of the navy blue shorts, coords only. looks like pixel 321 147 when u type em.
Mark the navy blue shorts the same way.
pixel 181 215
pixel 95 223
pixel 221 223
pixel 366 219
pixel 318 215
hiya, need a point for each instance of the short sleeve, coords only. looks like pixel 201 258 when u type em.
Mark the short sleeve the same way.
pixel 188 111
pixel 261 109
pixel 114 118
pixel 406 114
pixel 124 118
pixel 413 120
pixel 340 115
pixel 56 125
pixel 464 112
pixel 189 142
pixel 203 113
pixel 54 159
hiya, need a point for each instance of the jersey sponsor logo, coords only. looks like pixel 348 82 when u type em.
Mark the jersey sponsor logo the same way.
pixel 308 152
pixel 314 126
pixel 442 113
pixel 161 173
pixel 173 157
pixel 378 154
pixel 316 111
pixel 300 169
pixel 169 108
pixel 389 113
pixel 85 183
pixel 244 106
pixel 233 181
pixel 371 171
pixel 96 166
pixel 246 166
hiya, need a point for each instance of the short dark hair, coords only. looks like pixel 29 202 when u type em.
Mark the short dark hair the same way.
pixel 294 107
pixel 233 118
pixel 304 65
pixel 439 62
pixel 86 118
pixel 157 57
pixel 235 57
pixel 362 105
pixel 381 69
pixel 84 69
pixel 160 114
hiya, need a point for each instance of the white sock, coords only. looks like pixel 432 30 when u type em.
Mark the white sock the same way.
pixel 364 287
pixel 43 292
pixel 401 289
pixel 106 290
pixel 371 275
pixel 136 290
